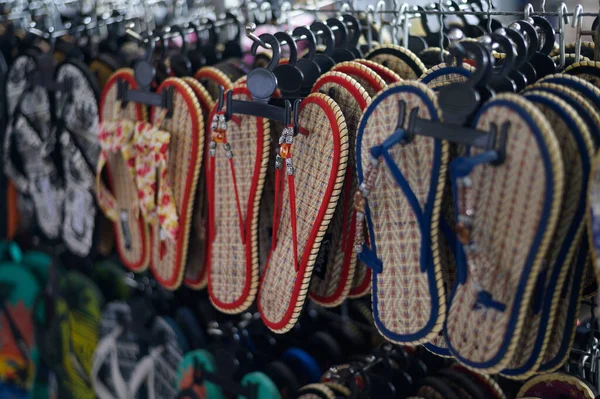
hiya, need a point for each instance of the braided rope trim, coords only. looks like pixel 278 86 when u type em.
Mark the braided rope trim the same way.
pixel 335 196
pixel 144 263
pixel 560 377
pixel 361 69
pixel 435 220
pixel 375 67
pixel 402 52
pixel 316 389
pixel 564 268
pixel 593 64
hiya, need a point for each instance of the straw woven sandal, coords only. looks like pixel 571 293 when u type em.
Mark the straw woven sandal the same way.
pixel 402 214
pixel 556 386
pixel 237 159
pixel 335 271
pixel 505 231
pixel 195 270
pixel 386 73
pixel 372 83
pixel 211 78
pixel 592 94
pixel 307 190
pixel 577 150
pixel 315 391
pixel 368 78
pixel 77 129
pixel 178 153
pixel 443 75
pixel 119 201
pixel 586 70
pixel 402 61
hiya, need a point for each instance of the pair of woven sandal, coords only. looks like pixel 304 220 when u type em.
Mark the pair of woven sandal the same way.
pixel 311 233
pixel 508 274
pixel 152 169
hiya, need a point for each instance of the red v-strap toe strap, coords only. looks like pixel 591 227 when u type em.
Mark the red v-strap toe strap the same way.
pixel 219 136
pixel 285 153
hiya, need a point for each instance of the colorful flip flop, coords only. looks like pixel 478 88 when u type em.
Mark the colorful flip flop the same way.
pixel 315 165
pixel 176 156
pixel 189 376
pixel 335 271
pixel 77 111
pixel 402 214
pixel 236 172
pixel 504 229
pixel 119 201
pixel 19 356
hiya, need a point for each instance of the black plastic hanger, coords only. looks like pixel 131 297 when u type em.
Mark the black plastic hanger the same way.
pixel 521 59
pixel 288 75
pixel 432 38
pixel 162 69
pixel 233 48
pixel 309 67
pixel 532 40
pixel 501 81
pixel 341 53
pixel 144 74
pixel 541 61
pixel 181 65
pixel 356 30
pixel 468 29
pixel 324 59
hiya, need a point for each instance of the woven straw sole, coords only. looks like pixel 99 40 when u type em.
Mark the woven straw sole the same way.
pixel 551 382
pixel 315 391
pixel 409 306
pixel 386 73
pixel 137 256
pixel 195 270
pixel 234 267
pixel 369 80
pixel 212 78
pixel 512 230
pixel 586 70
pixel 443 75
pixel 332 288
pixel 185 157
pixel 568 129
pixel 402 61
pixel 320 156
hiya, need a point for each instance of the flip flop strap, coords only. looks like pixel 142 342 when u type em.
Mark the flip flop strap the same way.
pixel 107 347
pixel 219 136
pixel 114 137
pixel 460 169
pixel 144 372
pixel 285 146
pixel 368 255
pixel 151 165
